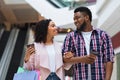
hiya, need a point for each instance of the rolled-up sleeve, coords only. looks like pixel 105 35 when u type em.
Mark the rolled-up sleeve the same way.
pixel 68 44
pixel 108 49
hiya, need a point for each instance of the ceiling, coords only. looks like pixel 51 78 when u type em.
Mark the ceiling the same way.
pixel 19 12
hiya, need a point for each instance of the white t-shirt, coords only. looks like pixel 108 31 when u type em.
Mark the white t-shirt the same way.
pixel 51 53
pixel 86 36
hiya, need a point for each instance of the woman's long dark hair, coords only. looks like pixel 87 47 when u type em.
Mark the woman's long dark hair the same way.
pixel 41 30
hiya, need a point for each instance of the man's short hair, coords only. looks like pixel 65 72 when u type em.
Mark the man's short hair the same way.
pixel 84 10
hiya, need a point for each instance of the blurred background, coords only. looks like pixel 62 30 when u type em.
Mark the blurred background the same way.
pixel 19 17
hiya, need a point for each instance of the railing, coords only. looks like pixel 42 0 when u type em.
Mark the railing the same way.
pixel 1 32
pixel 26 42
pixel 7 54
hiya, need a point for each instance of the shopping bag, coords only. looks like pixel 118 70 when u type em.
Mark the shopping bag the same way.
pixel 39 76
pixel 20 69
pixel 23 74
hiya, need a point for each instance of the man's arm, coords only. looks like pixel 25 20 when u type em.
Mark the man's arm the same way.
pixel 109 56
pixel 109 69
pixel 69 58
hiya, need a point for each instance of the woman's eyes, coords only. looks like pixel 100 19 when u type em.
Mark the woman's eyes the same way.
pixel 52 25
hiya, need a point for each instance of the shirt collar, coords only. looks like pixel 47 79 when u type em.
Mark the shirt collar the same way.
pixel 95 30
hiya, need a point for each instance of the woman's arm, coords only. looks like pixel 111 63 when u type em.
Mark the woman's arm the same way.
pixel 29 58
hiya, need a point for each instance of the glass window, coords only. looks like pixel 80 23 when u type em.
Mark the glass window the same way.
pixel 71 3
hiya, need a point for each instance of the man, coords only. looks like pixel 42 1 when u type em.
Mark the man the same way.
pixel 84 40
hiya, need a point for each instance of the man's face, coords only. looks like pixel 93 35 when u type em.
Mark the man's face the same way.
pixel 79 21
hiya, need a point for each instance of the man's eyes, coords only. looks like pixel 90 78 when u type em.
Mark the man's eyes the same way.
pixel 77 17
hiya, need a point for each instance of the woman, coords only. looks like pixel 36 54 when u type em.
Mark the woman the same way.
pixel 46 54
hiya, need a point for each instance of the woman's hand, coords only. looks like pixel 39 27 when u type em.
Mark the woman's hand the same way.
pixel 68 55
pixel 30 50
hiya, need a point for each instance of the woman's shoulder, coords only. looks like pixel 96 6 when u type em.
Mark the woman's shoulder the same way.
pixel 58 43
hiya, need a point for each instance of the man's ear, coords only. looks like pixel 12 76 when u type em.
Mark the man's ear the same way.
pixel 86 17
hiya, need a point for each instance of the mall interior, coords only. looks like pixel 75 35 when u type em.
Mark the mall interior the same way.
pixel 18 17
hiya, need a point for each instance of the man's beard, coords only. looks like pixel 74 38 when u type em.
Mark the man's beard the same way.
pixel 81 28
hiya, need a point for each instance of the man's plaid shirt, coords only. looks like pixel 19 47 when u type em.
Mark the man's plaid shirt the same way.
pixel 100 42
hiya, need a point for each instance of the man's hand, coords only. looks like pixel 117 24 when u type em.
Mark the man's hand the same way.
pixel 88 59
pixel 92 56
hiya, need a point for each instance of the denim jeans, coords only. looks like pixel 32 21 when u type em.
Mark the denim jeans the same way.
pixel 53 76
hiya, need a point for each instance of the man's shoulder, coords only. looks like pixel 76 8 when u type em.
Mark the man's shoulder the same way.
pixel 100 31
pixel 71 33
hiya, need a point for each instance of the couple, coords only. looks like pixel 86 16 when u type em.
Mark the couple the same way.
pixel 51 58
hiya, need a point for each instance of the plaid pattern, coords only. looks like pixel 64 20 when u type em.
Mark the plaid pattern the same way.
pixel 100 42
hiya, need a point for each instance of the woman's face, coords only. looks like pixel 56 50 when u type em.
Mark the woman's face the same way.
pixel 52 29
